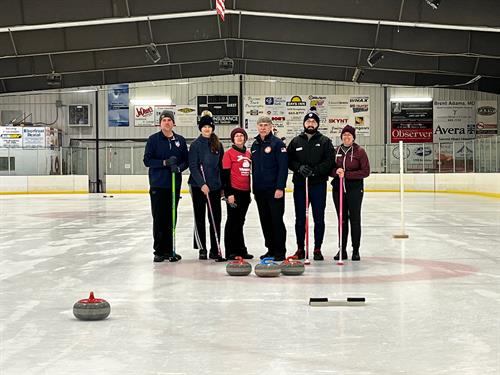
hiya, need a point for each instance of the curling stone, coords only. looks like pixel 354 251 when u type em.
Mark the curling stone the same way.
pixel 238 267
pixel 267 268
pixel 91 308
pixel 292 267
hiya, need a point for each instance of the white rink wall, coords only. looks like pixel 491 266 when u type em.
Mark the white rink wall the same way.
pixel 486 183
pixel 44 184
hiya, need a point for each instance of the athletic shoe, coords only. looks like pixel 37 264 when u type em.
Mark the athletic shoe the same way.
pixel 159 258
pixel 174 259
pixel 232 257
pixel 213 255
pixel 300 254
pixel 247 256
pixel 266 255
pixel 202 255
pixel 279 258
pixel 318 255
pixel 344 255
pixel 355 255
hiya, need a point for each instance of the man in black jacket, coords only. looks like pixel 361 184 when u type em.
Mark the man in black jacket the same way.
pixel 166 153
pixel 269 175
pixel 310 155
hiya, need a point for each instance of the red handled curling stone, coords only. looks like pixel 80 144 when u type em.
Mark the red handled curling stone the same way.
pixel 267 268
pixel 91 308
pixel 239 267
pixel 292 267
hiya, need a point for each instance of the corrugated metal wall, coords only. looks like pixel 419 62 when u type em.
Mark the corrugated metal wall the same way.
pixel 43 109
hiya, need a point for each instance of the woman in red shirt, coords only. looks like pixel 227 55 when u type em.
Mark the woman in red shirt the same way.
pixel 236 170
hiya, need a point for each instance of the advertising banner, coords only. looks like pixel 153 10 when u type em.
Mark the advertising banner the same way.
pixel 33 137
pixel 185 115
pixel 486 118
pixel 144 116
pixel 288 111
pixel 11 136
pixel 454 120
pixel 118 105
pixel 411 122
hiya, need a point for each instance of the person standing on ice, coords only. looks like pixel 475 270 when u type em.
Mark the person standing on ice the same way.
pixel 236 171
pixel 310 155
pixel 165 153
pixel 351 163
pixel 205 165
pixel 269 175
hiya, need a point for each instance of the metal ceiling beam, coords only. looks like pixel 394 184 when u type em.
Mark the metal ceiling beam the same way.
pixel 306 17
pixel 275 61
pixel 407 52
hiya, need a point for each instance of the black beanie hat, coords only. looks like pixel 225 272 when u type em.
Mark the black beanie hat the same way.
pixel 169 114
pixel 206 119
pixel 311 114
pixel 348 129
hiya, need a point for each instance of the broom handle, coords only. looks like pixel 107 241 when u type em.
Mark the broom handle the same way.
pixel 307 218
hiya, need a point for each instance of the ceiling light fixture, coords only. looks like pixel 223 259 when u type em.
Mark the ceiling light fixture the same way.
pixel 374 58
pixel 406 99
pixel 358 73
pixel 152 53
pixel 434 4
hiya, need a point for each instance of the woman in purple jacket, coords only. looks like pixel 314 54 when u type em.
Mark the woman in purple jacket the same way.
pixel 351 163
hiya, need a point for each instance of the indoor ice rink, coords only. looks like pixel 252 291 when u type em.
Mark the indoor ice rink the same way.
pixel 85 84
pixel 432 300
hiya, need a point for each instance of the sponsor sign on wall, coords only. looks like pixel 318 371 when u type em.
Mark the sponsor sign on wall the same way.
pixel 288 111
pixel 454 120
pixel 185 115
pixel 33 137
pixel 144 115
pixel 11 136
pixel 118 101
pixel 486 118
pixel 411 122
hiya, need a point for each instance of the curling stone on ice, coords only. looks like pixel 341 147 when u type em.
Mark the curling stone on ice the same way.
pixel 239 267
pixel 91 308
pixel 267 268
pixel 292 267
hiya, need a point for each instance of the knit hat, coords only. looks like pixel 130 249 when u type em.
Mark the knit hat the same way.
pixel 168 114
pixel 238 130
pixel 348 129
pixel 311 114
pixel 206 119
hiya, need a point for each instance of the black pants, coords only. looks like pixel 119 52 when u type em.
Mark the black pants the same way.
pixel 351 213
pixel 271 211
pixel 317 200
pixel 161 208
pixel 234 241
pixel 200 207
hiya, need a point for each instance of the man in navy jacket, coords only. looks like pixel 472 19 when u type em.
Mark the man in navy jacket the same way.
pixel 166 153
pixel 269 175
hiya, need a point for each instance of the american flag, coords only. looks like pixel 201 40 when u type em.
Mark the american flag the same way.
pixel 221 8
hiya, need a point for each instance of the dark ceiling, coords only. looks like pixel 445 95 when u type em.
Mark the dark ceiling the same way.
pixel 258 42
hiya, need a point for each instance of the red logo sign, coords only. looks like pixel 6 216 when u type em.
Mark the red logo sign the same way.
pixel 411 135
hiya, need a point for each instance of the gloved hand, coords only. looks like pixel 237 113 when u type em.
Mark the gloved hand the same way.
pixel 175 168
pixel 305 171
pixel 170 161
